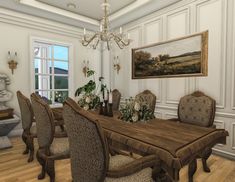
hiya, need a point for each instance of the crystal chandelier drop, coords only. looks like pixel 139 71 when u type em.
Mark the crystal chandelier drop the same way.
pixel 104 35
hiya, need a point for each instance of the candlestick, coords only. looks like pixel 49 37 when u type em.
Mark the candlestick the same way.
pixel 110 97
pixel 105 108
pixel 101 112
pixel 110 112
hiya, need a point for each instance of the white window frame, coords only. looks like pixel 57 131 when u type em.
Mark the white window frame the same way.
pixel 70 62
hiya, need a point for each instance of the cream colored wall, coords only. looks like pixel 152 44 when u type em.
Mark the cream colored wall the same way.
pixel 15 36
pixel 184 18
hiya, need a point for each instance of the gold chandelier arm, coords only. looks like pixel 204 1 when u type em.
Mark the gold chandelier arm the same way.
pixel 95 46
pixel 86 42
pixel 118 39
pixel 118 44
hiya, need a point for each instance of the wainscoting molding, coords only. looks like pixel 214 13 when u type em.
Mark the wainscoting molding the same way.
pixel 221 59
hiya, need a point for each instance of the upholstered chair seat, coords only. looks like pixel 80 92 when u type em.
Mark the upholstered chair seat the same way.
pixel 117 162
pixel 59 146
pixel 148 98
pixel 90 158
pixel 33 130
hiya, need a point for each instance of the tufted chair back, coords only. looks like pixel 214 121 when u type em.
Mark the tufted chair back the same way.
pixel 197 109
pixel 26 111
pixel 116 99
pixel 44 121
pixel 88 148
pixel 148 97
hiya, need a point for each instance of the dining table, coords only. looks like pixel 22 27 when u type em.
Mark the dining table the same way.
pixel 177 144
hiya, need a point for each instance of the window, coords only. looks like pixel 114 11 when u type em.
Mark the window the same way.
pixel 51 71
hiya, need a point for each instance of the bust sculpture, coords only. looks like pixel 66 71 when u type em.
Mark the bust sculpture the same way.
pixel 5 95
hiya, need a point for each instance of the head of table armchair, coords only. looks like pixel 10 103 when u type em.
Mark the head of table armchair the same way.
pixel 90 158
pixel 148 97
pixel 197 109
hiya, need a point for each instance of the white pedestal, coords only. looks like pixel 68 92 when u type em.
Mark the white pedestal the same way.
pixel 6 126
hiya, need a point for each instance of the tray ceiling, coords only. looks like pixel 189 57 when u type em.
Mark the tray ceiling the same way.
pixel 88 8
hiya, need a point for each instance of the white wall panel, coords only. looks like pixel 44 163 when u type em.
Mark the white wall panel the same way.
pixel 153 34
pixel 177 26
pixel 133 85
pixel 214 83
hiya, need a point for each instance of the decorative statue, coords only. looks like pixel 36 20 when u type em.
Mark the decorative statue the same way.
pixel 5 95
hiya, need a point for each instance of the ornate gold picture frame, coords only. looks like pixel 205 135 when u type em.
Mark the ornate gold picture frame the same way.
pixel 181 57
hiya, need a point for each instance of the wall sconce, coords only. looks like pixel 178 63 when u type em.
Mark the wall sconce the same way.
pixel 12 61
pixel 85 67
pixel 116 64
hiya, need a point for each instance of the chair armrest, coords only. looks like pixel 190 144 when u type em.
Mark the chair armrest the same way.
pixel 135 166
pixel 173 119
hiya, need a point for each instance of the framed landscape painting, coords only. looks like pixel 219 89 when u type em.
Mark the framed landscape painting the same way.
pixel 182 57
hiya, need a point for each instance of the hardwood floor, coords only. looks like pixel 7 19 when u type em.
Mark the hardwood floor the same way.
pixel 14 168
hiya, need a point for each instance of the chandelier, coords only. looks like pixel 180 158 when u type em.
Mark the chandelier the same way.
pixel 104 35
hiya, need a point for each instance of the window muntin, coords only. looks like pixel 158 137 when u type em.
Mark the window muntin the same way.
pixel 51 71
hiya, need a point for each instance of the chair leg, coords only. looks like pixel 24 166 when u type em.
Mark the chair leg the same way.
pixel 43 164
pixel 50 168
pixel 31 148
pixel 205 156
pixel 192 169
pixel 24 138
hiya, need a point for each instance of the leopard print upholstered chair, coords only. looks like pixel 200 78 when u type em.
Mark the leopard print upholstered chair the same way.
pixel 52 146
pixel 116 99
pixel 29 131
pixel 198 109
pixel 90 159
pixel 148 97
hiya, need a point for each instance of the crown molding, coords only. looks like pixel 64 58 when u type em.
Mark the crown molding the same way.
pixel 29 21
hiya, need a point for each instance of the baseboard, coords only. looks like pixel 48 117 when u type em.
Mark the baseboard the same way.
pixel 15 133
pixel 224 154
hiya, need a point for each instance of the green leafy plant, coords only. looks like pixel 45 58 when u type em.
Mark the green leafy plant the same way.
pixel 134 111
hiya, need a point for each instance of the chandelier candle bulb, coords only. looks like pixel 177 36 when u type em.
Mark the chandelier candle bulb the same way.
pixel 84 31
pixel 120 30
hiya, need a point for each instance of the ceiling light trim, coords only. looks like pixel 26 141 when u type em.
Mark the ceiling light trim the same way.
pixel 127 9
pixel 52 9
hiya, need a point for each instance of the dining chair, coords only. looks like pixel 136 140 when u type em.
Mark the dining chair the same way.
pixel 148 97
pixel 29 131
pixel 198 109
pixel 52 146
pixel 116 99
pixel 90 158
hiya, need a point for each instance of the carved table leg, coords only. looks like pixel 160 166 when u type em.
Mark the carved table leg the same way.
pixel 205 156
pixel 192 169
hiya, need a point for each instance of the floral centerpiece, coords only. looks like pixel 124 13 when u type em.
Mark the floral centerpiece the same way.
pixel 88 94
pixel 134 111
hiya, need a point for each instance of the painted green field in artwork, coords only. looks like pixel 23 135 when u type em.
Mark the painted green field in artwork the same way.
pixel 146 65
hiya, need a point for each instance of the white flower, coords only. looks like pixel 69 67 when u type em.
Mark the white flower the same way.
pixel 88 100
pixel 135 117
pixel 86 107
pixel 137 106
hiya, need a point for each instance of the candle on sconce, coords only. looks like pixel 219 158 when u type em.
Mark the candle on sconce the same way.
pixel 128 36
